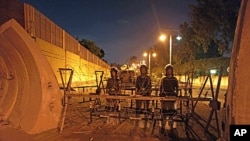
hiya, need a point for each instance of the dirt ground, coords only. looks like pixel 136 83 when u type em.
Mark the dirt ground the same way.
pixel 106 126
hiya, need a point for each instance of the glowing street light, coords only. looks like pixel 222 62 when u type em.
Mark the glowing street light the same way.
pixel 163 37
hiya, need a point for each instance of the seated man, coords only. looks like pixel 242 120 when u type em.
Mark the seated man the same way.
pixel 168 87
pixel 113 88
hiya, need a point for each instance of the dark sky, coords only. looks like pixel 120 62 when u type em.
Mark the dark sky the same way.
pixel 122 28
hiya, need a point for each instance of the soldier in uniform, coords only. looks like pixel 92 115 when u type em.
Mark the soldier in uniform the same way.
pixel 168 87
pixel 113 88
pixel 143 88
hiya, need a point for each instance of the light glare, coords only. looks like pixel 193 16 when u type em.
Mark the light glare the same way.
pixel 162 37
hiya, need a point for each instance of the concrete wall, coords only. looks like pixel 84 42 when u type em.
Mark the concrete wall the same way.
pixel 200 80
pixel 11 9
pixel 237 105
pixel 59 47
pixel 30 98
pixel 30 56
pixel 84 71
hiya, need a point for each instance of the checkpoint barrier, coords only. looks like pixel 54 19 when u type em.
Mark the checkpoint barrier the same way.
pixel 184 97
pixel 122 112
pixel 149 98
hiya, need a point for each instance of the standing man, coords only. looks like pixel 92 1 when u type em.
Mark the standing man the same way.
pixel 113 88
pixel 143 88
pixel 168 87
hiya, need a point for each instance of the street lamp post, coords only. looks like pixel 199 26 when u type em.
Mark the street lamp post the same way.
pixel 170 49
pixel 149 63
pixel 163 37
pixel 150 54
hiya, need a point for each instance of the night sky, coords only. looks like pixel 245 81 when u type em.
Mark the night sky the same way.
pixel 122 28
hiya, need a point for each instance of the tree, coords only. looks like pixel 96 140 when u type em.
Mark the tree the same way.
pixel 214 23
pixel 92 47
pixel 186 50
pixel 209 31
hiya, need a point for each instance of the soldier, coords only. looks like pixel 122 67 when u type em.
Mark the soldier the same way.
pixel 168 87
pixel 113 88
pixel 143 87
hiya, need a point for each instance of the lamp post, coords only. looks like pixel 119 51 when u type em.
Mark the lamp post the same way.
pixel 150 53
pixel 163 37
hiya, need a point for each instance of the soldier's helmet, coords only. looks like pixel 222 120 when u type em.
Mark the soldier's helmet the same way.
pixel 169 66
pixel 144 66
pixel 114 69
